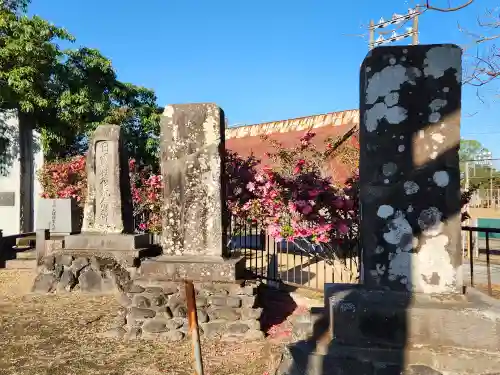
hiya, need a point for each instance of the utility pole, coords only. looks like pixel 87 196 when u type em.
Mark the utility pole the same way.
pixel 466 175
pixel 414 37
pixel 395 20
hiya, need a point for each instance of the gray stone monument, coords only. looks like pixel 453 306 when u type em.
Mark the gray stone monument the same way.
pixel 59 216
pixel 411 303
pixel 195 215
pixel 108 215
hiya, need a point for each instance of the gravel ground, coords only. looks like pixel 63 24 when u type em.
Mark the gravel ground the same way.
pixel 58 335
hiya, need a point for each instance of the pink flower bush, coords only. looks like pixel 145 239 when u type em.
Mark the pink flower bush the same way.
pixel 68 179
pixel 294 200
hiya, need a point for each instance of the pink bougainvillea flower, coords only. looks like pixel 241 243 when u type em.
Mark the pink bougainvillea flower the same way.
pixel 307 209
pixel 313 193
pixel 342 228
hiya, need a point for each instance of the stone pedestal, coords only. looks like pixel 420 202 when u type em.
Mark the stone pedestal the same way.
pixel 194 268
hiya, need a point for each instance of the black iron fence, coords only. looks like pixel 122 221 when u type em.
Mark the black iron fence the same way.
pixel 481 248
pixel 284 262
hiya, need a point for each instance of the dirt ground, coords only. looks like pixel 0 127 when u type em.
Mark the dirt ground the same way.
pixel 495 289
pixel 58 335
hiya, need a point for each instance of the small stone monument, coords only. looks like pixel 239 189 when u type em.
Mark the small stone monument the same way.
pixel 59 216
pixel 195 215
pixel 108 215
pixel 412 297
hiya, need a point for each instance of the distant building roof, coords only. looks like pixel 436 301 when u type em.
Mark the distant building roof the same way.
pixel 246 140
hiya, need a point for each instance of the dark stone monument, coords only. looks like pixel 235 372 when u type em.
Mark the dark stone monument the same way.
pixel 195 215
pixel 411 306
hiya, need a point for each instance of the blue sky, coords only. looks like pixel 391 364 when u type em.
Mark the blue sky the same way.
pixel 260 60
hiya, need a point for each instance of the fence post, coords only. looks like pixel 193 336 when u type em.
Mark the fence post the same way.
pixel 42 235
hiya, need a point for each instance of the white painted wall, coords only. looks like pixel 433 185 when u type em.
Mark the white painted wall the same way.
pixel 10 172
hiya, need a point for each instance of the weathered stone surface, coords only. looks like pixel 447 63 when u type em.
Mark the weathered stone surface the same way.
pixel 108 207
pixel 67 281
pixel 138 313
pixel 134 288
pixel 107 241
pixel 224 313
pixel 224 301
pixel 115 333
pixel 64 259
pixel 133 333
pixel 165 312
pixel 247 290
pixel 141 301
pixel 58 271
pixel 172 336
pixel 154 290
pixel 124 300
pixel 202 316
pixel 180 311
pixel 236 328
pixel 49 262
pixel 78 264
pixel 214 328
pixel 247 301
pixel 254 335
pixel 60 215
pixel 251 323
pixel 192 147
pixel 173 324
pixel 155 326
pixel 119 321
pixel 158 300
pixel 248 313
pixel 90 281
pixel 44 283
pixel 196 268
pixel 201 301
pixel 175 301
pixel 409 168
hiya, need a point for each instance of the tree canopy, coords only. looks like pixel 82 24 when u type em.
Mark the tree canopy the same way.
pixel 66 93
pixel 470 149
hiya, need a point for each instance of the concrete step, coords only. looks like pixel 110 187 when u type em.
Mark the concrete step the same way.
pixel 25 241
pixel 20 264
pixel 26 254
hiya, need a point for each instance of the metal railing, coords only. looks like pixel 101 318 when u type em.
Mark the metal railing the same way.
pixel 482 258
pixel 286 262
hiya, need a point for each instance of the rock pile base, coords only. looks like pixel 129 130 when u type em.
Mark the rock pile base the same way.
pixel 159 311
pixel 66 273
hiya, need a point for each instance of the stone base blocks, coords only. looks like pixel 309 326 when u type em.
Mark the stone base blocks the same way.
pixel 63 272
pixel 194 268
pixel 158 310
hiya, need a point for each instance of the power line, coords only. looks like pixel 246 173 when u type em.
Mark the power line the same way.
pixel 395 20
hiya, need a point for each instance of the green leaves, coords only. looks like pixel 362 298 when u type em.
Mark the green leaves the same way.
pixel 69 92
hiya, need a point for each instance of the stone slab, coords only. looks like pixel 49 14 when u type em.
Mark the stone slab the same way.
pixel 371 318
pixel 194 268
pixel 192 147
pixel 108 205
pixel 109 241
pixel 126 258
pixel 60 216
pixel 301 358
pixel 7 198
pixel 410 103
